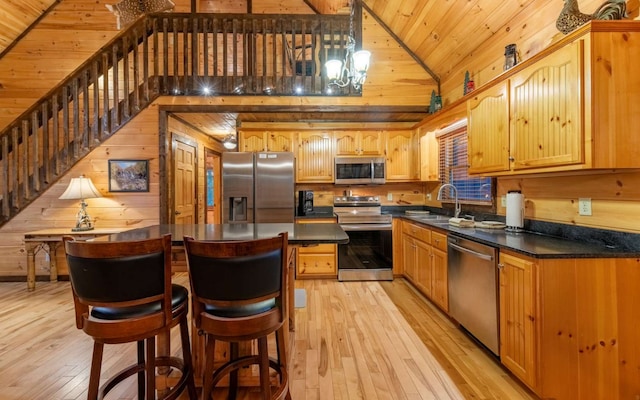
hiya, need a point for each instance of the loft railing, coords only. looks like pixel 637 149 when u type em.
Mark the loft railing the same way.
pixel 162 54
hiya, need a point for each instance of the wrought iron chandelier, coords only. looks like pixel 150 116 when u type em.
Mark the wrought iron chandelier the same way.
pixel 353 68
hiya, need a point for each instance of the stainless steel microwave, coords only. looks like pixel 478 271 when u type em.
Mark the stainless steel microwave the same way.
pixel 359 170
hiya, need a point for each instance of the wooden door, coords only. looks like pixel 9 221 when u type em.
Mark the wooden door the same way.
pixel 409 257
pixel 279 141
pixel 518 317
pixel 402 156
pixel 252 141
pixel 346 143
pixel 429 159
pixel 547 127
pixel 423 267
pixel 371 143
pixel 439 278
pixel 184 187
pixel 314 157
pixel 488 130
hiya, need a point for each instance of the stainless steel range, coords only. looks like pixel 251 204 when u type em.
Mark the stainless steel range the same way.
pixel 368 255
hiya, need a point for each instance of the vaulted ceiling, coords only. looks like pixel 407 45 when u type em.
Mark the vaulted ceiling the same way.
pixel 440 34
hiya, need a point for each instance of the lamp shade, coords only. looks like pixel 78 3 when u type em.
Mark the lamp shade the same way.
pixel 230 142
pixel 334 69
pixel 80 188
pixel 361 61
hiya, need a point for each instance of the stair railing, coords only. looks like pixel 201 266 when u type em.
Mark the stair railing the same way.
pixel 162 54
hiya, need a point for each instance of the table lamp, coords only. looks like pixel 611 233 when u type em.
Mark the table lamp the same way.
pixel 81 188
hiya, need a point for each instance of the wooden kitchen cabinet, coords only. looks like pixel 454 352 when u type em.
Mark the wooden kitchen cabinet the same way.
pixel 314 157
pixel 265 141
pixel 429 157
pixel 439 270
pixel 546 111
pixel 518 316
pixel 571 107
pixel 359 143
pixel 424 256
pixel 403 156
pixel 423 267
pixel 319 261
pixel 488 130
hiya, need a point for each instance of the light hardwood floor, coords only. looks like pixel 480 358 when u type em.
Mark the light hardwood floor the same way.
pixel 353 340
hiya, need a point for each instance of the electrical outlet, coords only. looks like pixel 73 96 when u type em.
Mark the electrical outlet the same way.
pixel 503 201
pixel 584 206
pixel 390 196
pixel 429 196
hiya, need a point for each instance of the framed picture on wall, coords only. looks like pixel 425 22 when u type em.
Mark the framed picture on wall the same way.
pixel 128 175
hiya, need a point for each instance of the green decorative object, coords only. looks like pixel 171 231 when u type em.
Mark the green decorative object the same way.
pixel 436 102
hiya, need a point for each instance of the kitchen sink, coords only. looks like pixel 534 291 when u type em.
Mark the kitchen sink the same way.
pixel 436 220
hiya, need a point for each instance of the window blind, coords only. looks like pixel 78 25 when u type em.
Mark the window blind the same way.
pixel 453 163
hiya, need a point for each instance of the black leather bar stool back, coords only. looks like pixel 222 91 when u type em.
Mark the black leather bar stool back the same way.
pixel 123 293
pixel 239 294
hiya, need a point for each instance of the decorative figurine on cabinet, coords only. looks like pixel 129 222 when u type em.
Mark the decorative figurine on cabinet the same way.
pixel 571 18
pixel 469 84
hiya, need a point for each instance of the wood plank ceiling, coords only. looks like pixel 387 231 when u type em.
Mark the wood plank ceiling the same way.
pixel 441 34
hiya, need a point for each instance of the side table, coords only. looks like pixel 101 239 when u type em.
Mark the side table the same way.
pixel 49 240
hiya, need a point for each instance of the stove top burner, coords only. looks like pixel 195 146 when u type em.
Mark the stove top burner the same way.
pixel 359 209
pixel 356 201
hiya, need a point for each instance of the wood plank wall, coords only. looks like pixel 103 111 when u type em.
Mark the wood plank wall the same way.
pixel 532 30
pixel 137 140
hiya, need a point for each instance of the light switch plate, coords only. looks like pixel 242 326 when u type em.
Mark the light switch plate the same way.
pixel 584 206
pixel 503 201
pixel 390 196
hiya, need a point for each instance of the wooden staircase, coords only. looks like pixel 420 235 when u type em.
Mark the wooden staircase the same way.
pixel 164 54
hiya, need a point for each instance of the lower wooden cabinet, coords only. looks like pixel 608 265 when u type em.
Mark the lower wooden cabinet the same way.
pixel 518 317
pixel 439 270
pixel 319 261
pixel 424 257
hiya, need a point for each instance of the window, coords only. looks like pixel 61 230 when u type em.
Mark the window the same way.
pixel 452 145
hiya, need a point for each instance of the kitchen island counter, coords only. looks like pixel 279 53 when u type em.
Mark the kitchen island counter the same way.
pixel 299 234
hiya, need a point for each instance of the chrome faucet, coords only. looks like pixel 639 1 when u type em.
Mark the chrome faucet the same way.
pixel 457 210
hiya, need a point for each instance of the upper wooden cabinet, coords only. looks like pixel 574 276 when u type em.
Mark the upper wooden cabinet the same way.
pixel 265 141
pixel 314 157
pixel 571 107
pixel 429 160
pixel 359 143
pixel 403 156
pixel 488 130
pixel 546 111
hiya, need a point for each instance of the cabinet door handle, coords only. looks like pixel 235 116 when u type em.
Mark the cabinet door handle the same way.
pixel 500 266
pixel 511 158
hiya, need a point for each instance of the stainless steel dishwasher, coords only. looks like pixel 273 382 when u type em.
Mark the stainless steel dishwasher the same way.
pixel 473 289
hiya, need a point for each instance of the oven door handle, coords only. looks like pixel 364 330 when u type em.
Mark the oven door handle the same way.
pixel 366 227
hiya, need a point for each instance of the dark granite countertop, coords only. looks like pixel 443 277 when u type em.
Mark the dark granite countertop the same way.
pixel 299 234
pixel 528 243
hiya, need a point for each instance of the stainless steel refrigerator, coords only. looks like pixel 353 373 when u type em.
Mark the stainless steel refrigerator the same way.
pixel 258 187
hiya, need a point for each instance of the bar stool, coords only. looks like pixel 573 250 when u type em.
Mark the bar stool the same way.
pixel 122 293
pixel 238 291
